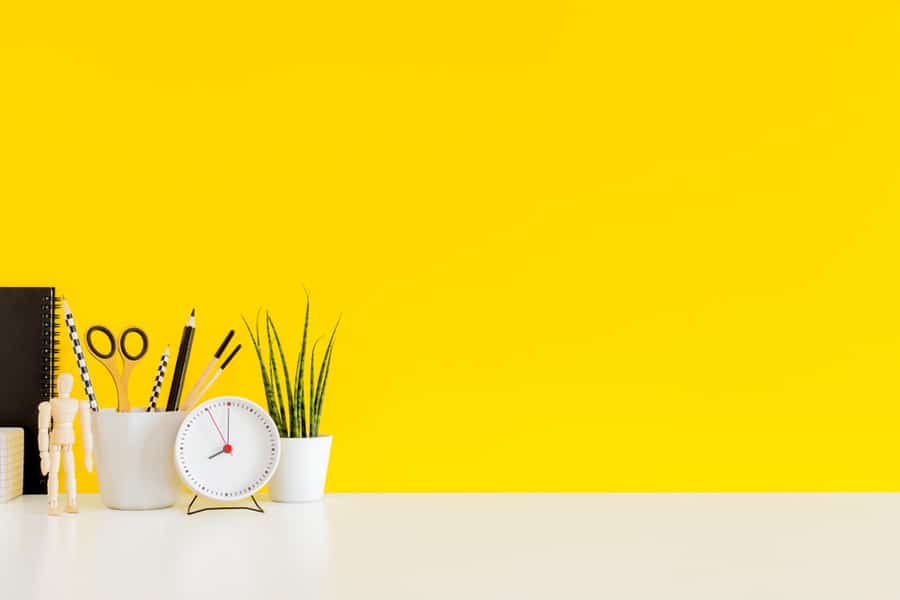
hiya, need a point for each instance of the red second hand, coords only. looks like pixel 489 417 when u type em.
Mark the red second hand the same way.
pixel 209 412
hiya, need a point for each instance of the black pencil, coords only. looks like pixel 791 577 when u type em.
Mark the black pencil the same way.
pixel 181 364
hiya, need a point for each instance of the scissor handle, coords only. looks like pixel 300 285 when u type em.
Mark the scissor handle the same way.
pixel 144 343
pixel 108 334
pixel 112 342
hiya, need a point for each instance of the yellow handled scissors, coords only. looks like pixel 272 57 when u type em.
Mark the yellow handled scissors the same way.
pixel 128 360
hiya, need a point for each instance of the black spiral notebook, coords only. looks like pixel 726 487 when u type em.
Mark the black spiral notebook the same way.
pixel 28 355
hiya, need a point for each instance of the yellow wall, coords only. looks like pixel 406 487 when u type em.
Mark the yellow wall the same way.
pixel 577 246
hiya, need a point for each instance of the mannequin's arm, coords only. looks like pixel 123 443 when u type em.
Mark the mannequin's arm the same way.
pixel 87 438
pixel 44 436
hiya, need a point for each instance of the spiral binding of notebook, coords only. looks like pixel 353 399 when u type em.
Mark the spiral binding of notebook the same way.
pixel 28 358
pixel 49 344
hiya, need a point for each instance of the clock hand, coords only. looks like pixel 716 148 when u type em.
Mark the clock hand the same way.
pixel 228 425
pixel 217 453
pixel 209 412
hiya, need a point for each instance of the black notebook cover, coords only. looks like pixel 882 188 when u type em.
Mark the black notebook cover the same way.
pixel 28 351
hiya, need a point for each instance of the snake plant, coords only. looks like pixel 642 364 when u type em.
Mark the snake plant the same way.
pixel 295 414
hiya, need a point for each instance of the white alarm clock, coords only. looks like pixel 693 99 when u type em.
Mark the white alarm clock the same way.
pixel 227 448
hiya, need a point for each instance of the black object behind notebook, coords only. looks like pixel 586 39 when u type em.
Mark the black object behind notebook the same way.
pixel 28 356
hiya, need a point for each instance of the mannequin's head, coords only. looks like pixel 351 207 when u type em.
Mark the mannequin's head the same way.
pixel 64 384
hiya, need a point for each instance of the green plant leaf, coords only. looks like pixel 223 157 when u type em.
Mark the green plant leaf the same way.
pixel 312 390
pixel 327 361
pixel 276 413
pixel 274 374
pixel 288 389
pixel 298 374
pixel 258 337
pixel 323 378
pixel 267 384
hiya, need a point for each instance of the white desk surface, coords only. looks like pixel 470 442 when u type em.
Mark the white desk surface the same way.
pixel 424 546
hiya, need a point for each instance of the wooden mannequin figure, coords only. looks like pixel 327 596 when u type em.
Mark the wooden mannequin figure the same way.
pixel 61 438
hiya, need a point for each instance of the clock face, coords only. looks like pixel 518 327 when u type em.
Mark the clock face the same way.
pixel 227 448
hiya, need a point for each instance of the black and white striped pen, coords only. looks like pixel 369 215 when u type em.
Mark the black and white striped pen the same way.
pixel 199 395
pixel 191 397
pixel 79 356
pixel 157 383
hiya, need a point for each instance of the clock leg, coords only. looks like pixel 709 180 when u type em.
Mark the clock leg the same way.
pixel 250 508
pixel 192 504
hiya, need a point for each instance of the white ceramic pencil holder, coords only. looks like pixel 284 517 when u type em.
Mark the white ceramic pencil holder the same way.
pixel 134 456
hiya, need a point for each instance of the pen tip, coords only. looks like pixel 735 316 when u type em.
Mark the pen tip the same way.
pixel 193 310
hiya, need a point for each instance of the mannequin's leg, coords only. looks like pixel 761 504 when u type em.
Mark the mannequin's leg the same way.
pixel 71 491
pixel 53 481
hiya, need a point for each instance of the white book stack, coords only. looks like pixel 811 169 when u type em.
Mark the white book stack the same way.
pixel 12 462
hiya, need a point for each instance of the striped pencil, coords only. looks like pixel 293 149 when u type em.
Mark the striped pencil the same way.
pixel 157 384
pixel 79 356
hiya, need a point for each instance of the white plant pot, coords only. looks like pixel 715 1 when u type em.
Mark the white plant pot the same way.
pixel 302 470
pixel 133 452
